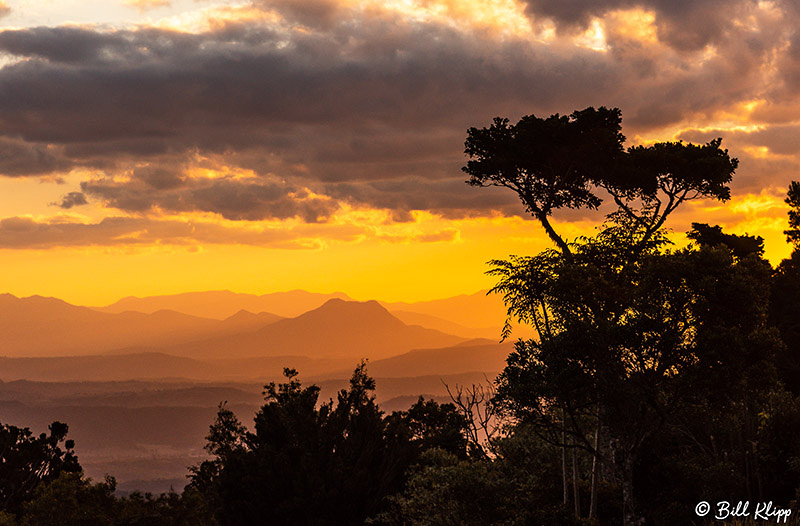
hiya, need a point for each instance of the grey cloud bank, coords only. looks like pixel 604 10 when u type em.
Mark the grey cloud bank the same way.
pixel 367 108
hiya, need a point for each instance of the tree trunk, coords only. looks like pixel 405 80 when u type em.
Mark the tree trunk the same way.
pixel 562 245
pixel 593 497
pixel 576 494
pixel 564 459
pixel 630 512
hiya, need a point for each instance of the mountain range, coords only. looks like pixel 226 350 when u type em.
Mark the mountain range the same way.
pixel 332 328
pixel 221 304
pixel 48 339
pixel 139 381
pixel 478 315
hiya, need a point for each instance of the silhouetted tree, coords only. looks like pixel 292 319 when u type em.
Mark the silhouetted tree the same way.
pixel 520 486
pixel 28 461
pixel 616 319
pixel 793 200
pixel 435 426
pixel 713 236
pixel 311 463
pixel 71 500
pixel 550 163
pixel 786 297
pixel 561 161
pixel 479 412
pixel 168 509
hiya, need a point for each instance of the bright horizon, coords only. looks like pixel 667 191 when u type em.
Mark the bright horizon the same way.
pixel 266 146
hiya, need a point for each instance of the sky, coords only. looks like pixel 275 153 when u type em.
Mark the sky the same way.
pixel 163 146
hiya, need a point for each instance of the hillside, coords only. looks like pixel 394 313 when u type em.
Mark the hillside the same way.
pixel 449 360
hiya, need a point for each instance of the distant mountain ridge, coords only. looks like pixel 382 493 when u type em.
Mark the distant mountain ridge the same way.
pixel 470 315
pixel 45 326
pixel 221 304
pixel 41 326
pixel 337 329
pixel 475 356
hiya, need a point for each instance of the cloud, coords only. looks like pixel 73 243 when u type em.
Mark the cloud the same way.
pixel 72 199
pixel 249 200
pixel 146 5
pixel 28 233
pixel 21 158
pixel 311 13
pixel 684 24
pixel 450 198
pixel 332 104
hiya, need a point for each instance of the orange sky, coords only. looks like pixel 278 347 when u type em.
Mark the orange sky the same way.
pixel 157 147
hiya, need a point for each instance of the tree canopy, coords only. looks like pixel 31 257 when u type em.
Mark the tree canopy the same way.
pixel 311 463
pixel 563 161
pixel 630 334
pixel 28 461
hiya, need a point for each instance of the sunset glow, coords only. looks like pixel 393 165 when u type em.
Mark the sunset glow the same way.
pixel 157 146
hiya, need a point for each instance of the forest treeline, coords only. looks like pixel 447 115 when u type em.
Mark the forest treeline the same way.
pixel 662 376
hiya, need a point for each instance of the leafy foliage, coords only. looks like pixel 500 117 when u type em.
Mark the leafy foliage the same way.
pixel 793 200
pixel 71 500
pixel 28 461
pixel 561 162
pixel 311 463
pixel 518 487
pixel 740 246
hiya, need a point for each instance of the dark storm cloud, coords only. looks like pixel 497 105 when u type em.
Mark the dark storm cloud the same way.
pixel 368 108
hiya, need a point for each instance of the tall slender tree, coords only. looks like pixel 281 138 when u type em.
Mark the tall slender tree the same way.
pixel 613 316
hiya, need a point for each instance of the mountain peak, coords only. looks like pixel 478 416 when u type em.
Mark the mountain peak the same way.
pixel 353 307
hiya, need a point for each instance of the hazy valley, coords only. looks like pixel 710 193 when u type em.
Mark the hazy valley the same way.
pixel 139 381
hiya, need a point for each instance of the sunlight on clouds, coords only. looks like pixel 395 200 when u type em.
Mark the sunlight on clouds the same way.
pixel 144 5
pixel 738 116
pixel 750 106
pixel 427 258
pixel 212 17
pixel 763 214
pixel 634 24
pixel 214 170
pixel 761 204
pixel 593 38
pixel 757 152
pixel 545 32
pixel 503 16
pixel 728 121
